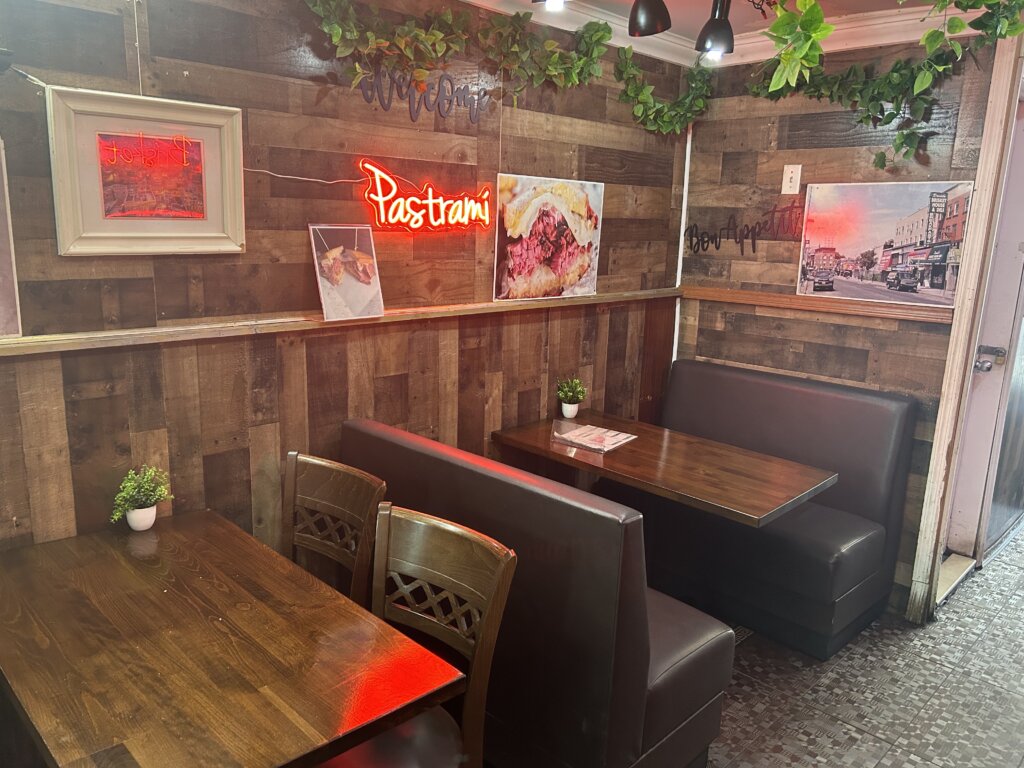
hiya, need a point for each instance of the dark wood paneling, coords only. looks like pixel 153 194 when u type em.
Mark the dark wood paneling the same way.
pixel 40 34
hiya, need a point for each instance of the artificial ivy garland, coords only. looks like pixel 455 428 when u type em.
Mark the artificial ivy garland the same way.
pixel 902 94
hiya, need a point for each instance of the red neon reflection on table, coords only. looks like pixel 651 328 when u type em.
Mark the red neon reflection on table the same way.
pixel 421 210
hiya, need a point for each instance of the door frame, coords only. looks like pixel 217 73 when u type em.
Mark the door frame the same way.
pixel 1000 115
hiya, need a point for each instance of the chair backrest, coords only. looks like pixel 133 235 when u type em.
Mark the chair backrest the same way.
pixel 331 509
pixel 450 583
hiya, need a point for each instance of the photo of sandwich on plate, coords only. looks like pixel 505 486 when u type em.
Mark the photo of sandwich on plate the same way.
pixel 346 268
pixel 549 235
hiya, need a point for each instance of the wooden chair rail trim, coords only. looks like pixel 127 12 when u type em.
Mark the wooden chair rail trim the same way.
pixel 65 342
pixel 919 313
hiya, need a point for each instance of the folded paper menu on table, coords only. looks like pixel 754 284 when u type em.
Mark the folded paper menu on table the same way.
pixel 586 436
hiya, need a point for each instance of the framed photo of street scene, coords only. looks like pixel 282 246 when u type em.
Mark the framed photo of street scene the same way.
pixel 895 242
pixel 144 176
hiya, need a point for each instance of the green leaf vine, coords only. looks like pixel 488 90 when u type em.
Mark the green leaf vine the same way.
pixel 366 40
pixel 656 114
pixel 521 57
pixel 902 94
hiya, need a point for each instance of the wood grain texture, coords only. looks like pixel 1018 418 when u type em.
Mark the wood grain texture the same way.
pixel 194 644
pixel 741 308
pixel 733 483
pixel 227 411
pixel 269 59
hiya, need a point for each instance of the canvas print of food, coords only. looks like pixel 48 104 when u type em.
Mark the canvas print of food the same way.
pixel 346 268
pixel 549 236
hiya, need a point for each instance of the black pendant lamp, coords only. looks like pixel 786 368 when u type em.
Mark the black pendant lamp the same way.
pixel 648 17
pixel 716 36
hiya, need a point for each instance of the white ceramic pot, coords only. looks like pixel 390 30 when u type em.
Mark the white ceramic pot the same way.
pixel 569 410
pixel 142 519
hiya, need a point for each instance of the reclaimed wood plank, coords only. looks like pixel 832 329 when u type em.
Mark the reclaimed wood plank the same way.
pixel 45 446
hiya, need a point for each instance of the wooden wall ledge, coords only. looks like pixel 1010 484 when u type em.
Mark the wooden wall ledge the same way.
pixel 918 312
pixel 65 342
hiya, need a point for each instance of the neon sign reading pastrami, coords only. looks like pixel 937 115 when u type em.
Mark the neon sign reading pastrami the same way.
pixel 421 210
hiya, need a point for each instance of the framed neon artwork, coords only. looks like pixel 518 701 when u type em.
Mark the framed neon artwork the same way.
pixel 139 175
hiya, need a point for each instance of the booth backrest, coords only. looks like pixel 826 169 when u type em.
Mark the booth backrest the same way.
pixel 863 435
pixel 570 671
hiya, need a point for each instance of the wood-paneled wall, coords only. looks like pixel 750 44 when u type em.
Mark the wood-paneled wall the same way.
pixel 738 156
pixel 221 413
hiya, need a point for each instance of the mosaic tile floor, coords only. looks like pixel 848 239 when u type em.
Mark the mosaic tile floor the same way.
pixel 948 695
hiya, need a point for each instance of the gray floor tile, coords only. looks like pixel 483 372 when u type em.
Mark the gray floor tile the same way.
pixel 812 738
pixel 998 657
pixel 946 640
pixel 968 724
pixel 897 758
pixel 788 672
pixel 879 692
pixel 991 587
pixel 751 706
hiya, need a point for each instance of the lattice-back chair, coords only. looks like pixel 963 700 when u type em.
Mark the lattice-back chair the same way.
pixel 448 583
pixel 330 510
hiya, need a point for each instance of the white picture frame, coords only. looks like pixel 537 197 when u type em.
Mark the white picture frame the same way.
pixel 10 306
pixel 85 226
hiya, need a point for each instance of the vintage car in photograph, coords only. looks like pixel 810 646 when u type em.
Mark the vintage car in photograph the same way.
pixel 823 280
pixel 903 278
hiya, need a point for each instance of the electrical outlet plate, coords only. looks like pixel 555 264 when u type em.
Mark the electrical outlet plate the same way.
pixel 791 180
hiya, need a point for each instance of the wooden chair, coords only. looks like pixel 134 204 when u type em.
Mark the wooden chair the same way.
pixel 446 583
pixel 330 510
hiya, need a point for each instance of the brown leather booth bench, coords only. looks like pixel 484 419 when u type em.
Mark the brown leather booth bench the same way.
pixel 592 668
pixel 817 575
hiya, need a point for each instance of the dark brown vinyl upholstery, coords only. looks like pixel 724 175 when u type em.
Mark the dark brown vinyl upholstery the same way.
pixel 592 669
pixel 818 574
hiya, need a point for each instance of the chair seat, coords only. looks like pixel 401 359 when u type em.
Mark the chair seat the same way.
pixel 429 740
pixel 690 664
pixel 815 551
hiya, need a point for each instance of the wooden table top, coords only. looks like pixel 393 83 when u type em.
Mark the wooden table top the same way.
pixel 744 486
pixel 193 644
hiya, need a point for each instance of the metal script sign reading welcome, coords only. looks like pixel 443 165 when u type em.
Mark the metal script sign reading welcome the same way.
pixel 441 97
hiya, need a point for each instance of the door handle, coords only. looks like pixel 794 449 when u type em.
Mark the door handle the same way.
pixel 982 366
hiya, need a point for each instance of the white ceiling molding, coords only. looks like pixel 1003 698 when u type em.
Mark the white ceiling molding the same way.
pixel 859 30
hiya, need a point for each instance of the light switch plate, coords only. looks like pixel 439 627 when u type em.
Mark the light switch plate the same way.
pixel 791 179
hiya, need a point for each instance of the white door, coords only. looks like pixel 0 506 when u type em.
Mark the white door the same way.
pixel 990 391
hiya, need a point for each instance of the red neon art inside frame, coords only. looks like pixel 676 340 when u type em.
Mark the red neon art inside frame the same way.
pixel 421 210
pixel 151 177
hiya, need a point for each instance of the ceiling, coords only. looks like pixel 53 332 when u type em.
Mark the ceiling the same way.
pixel 688 16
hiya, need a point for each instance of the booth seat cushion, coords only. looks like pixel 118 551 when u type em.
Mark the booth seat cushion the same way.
pixel 690 664
pixel 815 551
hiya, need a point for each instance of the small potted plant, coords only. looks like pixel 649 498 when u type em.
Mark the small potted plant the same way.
pixel 138 496
pixel 571 393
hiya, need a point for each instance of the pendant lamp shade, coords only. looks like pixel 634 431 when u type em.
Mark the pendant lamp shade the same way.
pixel 716 36
pixel 648 17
